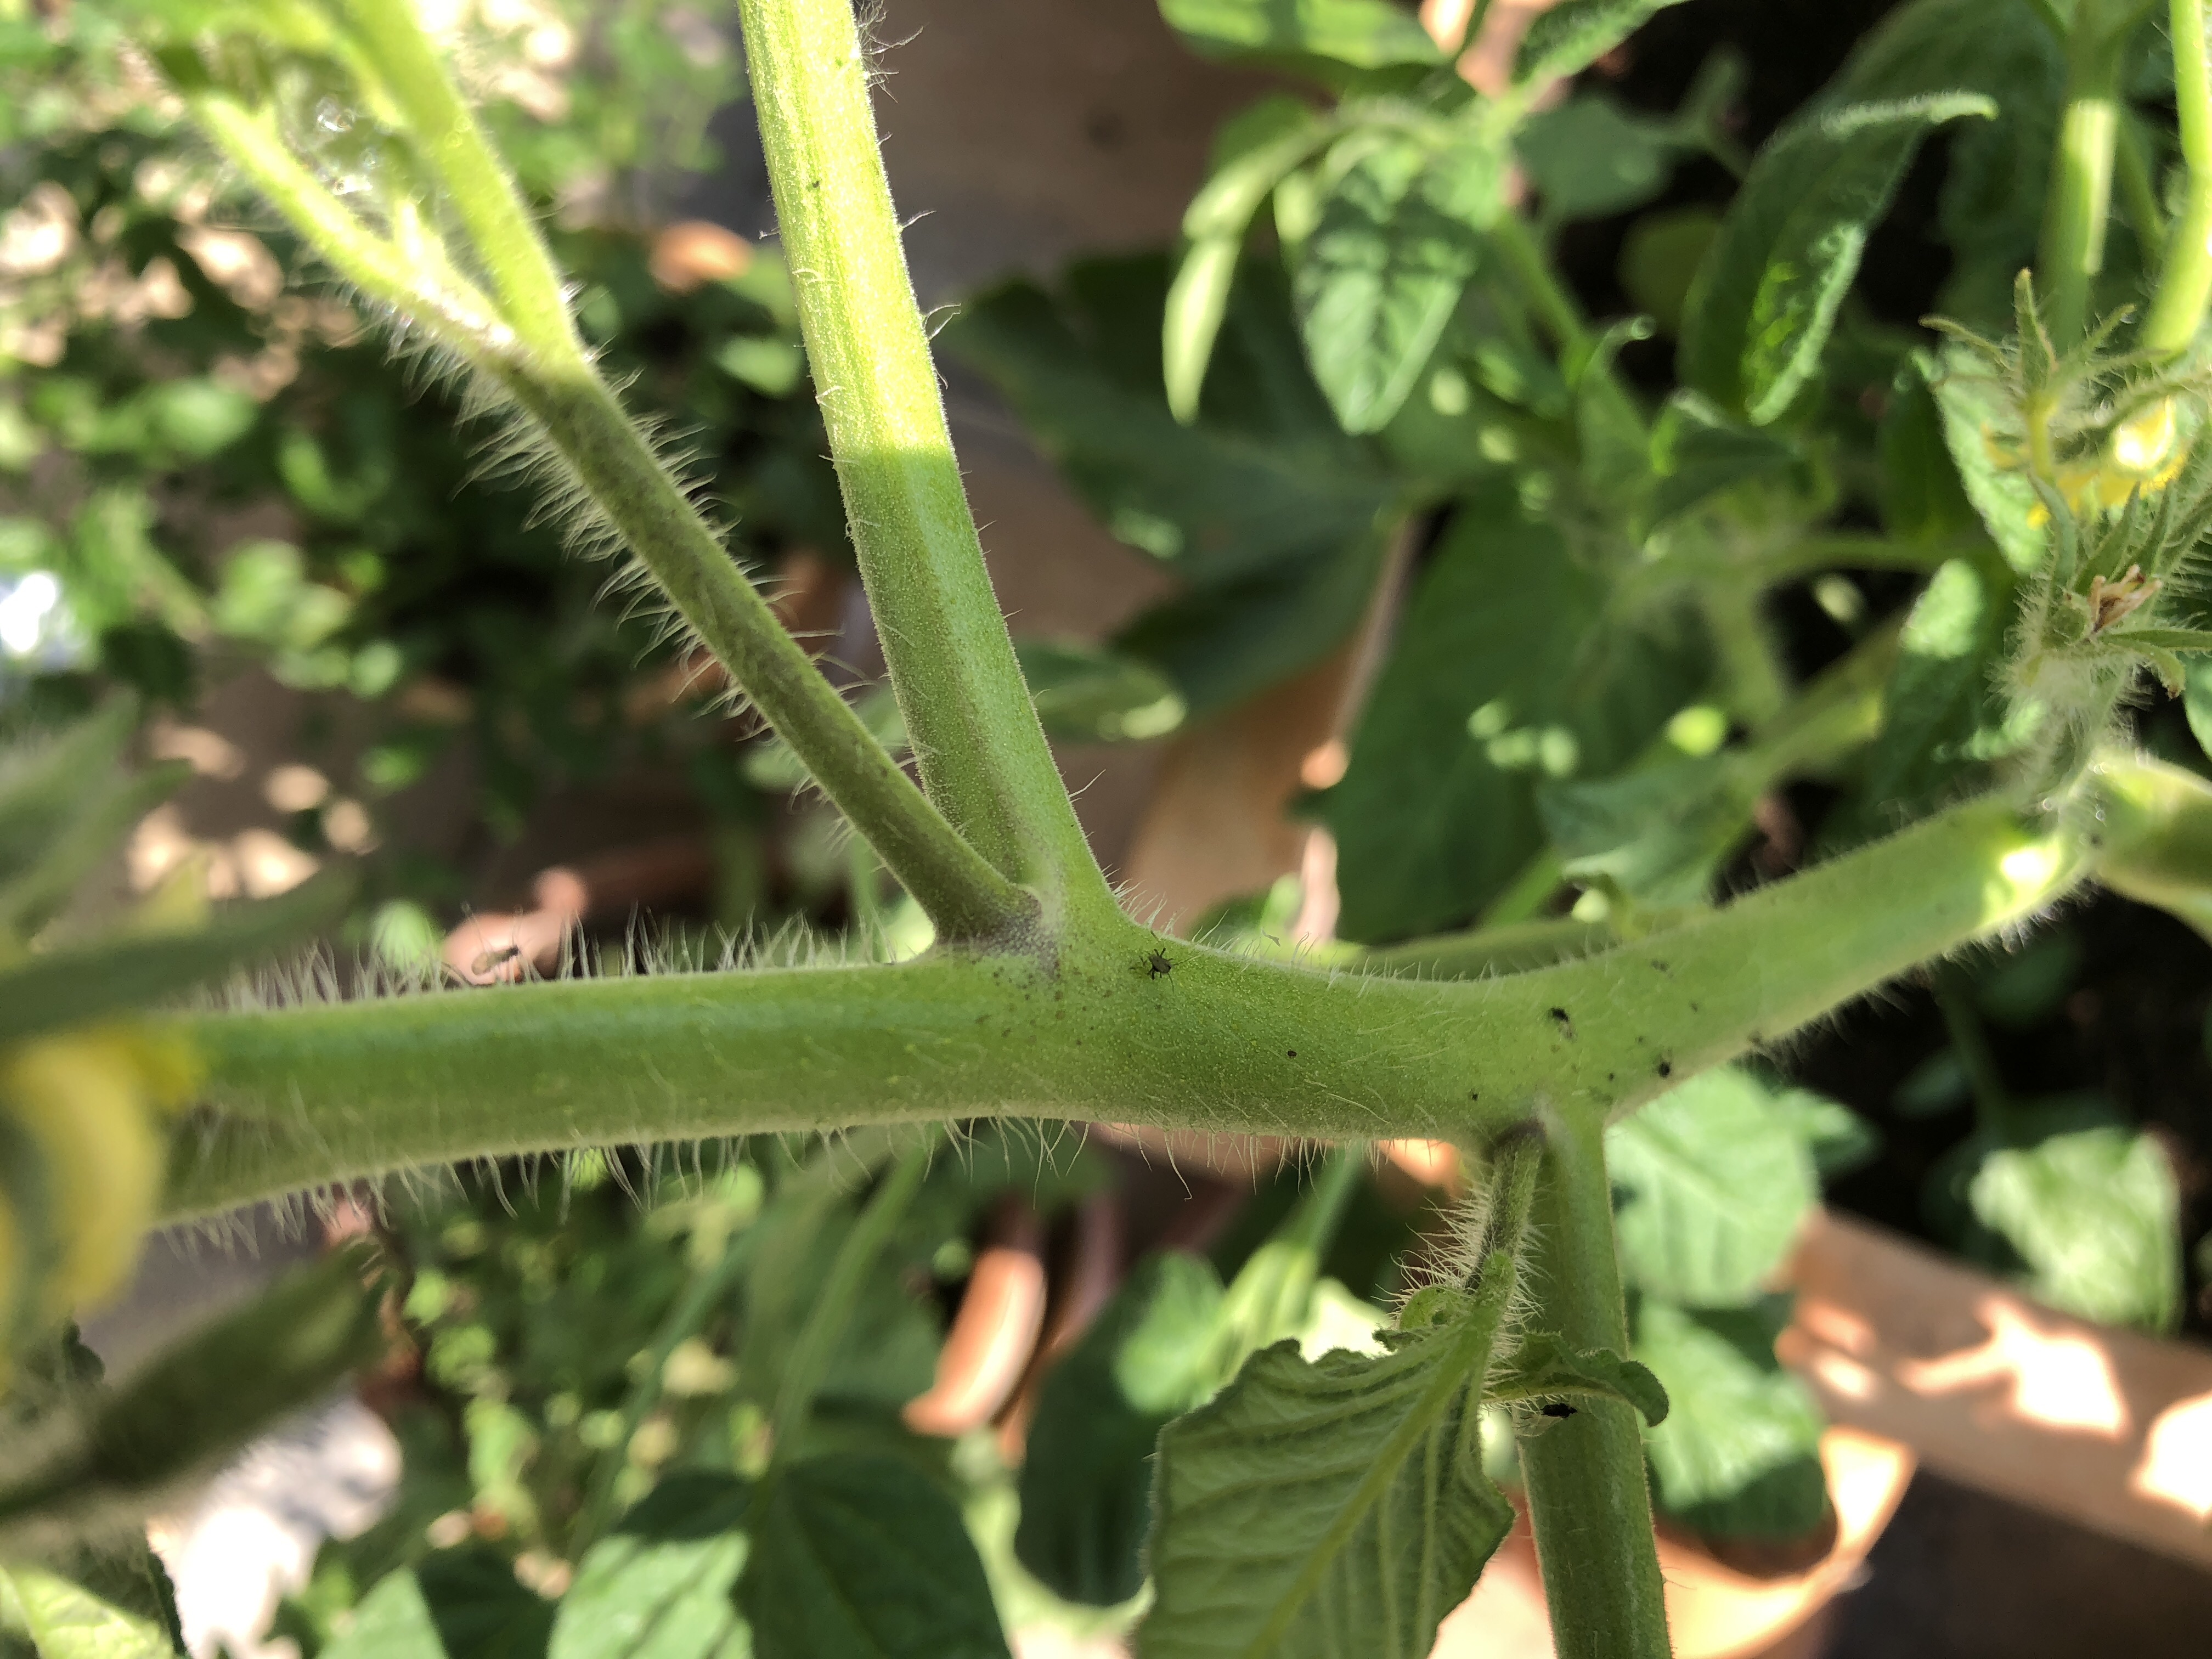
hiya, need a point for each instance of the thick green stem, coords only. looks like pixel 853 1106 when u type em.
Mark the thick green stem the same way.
pixel 2076 212
pixel 2185 280
pixel 1588 1500
pixel 982 754
pixel 1218 1042
pixel 963 893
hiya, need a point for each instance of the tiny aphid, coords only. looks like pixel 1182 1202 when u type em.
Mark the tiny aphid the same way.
pixel 1558 1409
pixel 1157 965
pixel 2113 604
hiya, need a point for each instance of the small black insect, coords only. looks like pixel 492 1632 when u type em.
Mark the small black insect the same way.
pixel 1558 1409
pixel 1157 965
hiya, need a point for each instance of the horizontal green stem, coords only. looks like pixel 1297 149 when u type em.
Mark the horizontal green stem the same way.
pixel 1218 1042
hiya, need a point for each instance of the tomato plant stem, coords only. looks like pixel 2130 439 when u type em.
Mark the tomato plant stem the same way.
pixel 983 753
pixel 2076 211
pixel 2185 281
pixel 1588 1499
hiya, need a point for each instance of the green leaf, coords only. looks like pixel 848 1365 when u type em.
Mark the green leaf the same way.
pixel 1998 170
pixel 457 1604
pixel 859 1556
pixel 659 1586
pixel 1767 295
pixel 1944 718
pixel 1571 36
pixel 1221 643
pixel 1972 405
pixel 110 807
pixel 76 984
pixel 887 1352
pixel 1710 1184
pixel 1839 1140
pixel 1740 1453
pixel 1363 34
pixel 1086 1478
pixel 1545 1368
pixel 194 1402
pixel 1657 834
pixel 2162 639
pixel 66 1620
pixel 1264 506
pixel 1398 235
pixel 2197 702
pixel 1922 498
pixel 1589 159
pixel 1507 670
pixel 1698 452
pixel 2094 1214
pixel 1256 149
pixel 45 787
pixel 1084 694
pixel 1329 1508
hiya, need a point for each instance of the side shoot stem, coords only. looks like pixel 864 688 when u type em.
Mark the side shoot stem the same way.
pixel 983 753
pixel 523 343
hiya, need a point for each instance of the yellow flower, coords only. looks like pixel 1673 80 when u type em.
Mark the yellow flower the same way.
pixel 2143 453
pixel 90 1103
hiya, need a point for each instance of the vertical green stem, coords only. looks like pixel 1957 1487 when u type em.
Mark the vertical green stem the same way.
pixel 2076 212
pixel 2185 281
pixel 1993 1105
pixel 700 1297
pixel 982 754
pixel 1587 1496
pixel 808 1366
pixel 1555 309
pixel 1756 687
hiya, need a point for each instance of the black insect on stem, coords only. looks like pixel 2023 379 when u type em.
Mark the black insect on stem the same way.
pixel 1157 965
pixel 1558 1409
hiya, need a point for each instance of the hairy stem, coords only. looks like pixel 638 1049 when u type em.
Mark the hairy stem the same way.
pixel 1588 1497
pixel 323 1094
pixel 2076 212
pixel 964 894
pixel 531 353
pixel 982 754
pixel 448 307
pixel 500 227
pixel 2185 280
